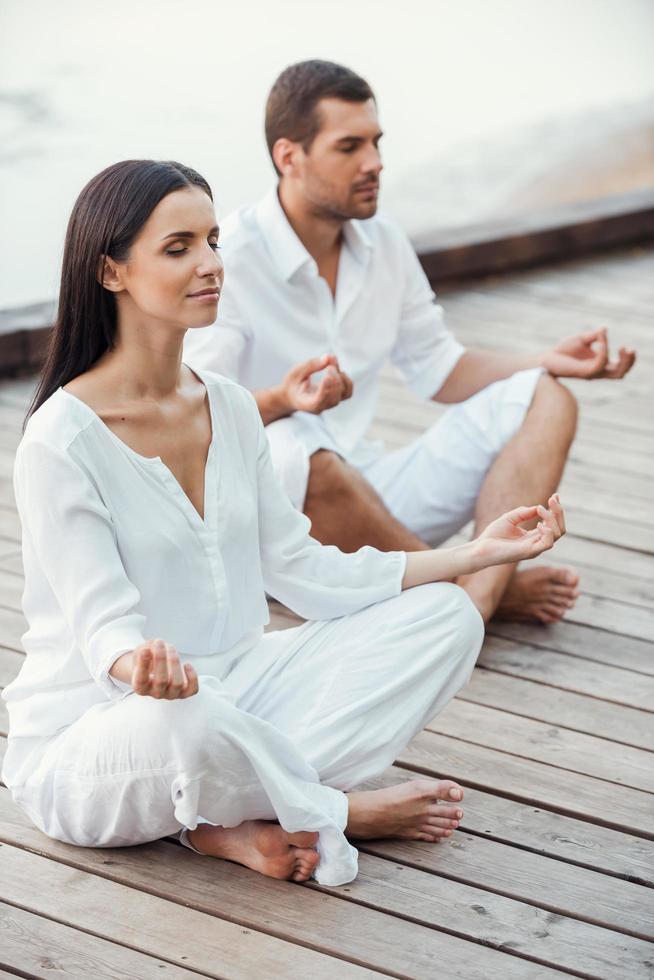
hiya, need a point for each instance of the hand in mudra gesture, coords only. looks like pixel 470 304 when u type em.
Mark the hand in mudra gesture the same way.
pixel 157 672
pixel 504 540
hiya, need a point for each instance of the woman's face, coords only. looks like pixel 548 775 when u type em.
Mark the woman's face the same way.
pixel 174 272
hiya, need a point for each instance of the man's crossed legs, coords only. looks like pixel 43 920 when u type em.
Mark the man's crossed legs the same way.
pixel 506 445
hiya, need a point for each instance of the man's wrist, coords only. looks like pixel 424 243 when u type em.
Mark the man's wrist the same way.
pixel 273 404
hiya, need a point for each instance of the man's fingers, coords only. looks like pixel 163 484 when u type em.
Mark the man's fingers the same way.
pixel 618 369
pixel 303 371
pixel 349 386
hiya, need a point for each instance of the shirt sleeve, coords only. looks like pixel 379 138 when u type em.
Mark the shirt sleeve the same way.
pixel 70 535
pixel 316 581
pixel 220 347
pixel 425 351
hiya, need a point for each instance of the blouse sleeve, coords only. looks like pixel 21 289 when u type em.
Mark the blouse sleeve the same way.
pixel 316 581
pixel 70 535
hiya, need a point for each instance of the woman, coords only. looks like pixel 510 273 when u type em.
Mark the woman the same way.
pixel 149 508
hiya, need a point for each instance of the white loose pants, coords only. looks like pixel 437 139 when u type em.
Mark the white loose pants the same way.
pixel 431 485
pixel 308 713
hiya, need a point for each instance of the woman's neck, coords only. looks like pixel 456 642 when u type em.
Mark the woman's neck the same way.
pixel 145 362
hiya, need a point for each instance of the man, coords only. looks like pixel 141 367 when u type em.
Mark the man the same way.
pixel 313 268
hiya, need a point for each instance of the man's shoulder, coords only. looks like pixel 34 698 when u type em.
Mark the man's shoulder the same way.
pixel 240 229
pixel 384 232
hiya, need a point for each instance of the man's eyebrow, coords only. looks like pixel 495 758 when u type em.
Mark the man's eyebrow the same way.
pixel 358 139
pixel 188 234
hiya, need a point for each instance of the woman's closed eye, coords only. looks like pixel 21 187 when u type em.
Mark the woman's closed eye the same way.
pixel 180 251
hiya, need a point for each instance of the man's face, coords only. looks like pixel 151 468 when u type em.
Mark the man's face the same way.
pixel 340 173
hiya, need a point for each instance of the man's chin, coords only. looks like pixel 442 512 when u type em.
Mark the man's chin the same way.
pixel 364 209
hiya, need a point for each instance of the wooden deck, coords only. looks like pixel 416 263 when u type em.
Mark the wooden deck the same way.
pixel 553 870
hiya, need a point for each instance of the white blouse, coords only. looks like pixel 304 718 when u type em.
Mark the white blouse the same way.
pixel 116 553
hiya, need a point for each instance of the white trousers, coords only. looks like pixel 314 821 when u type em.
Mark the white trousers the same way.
pixel 431 486
pixel 308 713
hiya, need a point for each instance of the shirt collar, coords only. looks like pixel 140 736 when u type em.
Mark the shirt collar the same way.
pixel 285 247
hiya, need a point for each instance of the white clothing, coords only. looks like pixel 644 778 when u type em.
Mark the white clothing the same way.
pixel 115 552
pixel 307 713
pixel 431 485
pixel 275 311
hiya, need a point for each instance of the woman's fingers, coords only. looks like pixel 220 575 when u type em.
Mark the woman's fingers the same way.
pixel 547 517
pixel 192 683
pixel 141 671
pixel 176 676
pixel 554 503
pixel 159 674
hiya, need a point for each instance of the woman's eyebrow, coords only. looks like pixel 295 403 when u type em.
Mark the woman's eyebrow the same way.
pixel 188 234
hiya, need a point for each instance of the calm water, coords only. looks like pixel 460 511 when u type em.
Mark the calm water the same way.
pixel 84 83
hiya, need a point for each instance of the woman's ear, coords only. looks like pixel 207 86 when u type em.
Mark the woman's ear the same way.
pixel 109 274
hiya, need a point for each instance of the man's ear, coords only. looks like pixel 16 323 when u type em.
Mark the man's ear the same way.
pixel 109 274
pixel 285 155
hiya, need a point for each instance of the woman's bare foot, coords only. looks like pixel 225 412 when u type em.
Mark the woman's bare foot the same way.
pixel 409 810
pixel 541 594
pixel 262 846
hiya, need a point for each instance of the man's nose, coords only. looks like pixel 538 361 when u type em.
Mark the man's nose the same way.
pixel 372 163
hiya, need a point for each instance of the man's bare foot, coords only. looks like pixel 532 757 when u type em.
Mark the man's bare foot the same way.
pixel 541 594
pixel 262 846
pixel 409 810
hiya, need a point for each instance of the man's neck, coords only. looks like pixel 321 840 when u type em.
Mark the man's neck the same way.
pixel 321 236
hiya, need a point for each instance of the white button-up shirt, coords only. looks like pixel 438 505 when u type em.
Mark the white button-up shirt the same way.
pixel 115 552
pixel 276 310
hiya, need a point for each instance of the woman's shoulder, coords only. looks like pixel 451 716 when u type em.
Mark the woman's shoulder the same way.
pixel 219 386
pixel 58 420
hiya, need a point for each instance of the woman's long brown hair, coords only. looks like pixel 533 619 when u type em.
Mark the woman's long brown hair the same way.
pixel 106 218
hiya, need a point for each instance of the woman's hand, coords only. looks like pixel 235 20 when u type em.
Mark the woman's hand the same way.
pixel 155 670
pixel 504 540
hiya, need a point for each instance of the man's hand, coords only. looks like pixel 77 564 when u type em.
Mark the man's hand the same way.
pixel 303 395
pixel 587 356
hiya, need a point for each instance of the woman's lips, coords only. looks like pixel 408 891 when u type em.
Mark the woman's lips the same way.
pixel 206 296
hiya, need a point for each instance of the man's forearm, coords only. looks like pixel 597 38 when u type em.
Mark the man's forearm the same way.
pixel 272 404
pixel 477 369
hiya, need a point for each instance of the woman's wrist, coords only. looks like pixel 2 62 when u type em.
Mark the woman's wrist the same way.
pixel 121 669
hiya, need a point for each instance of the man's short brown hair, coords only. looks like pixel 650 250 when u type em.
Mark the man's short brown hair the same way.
pixel 291 110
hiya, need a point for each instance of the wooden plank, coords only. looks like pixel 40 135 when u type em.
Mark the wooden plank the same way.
pixel 526 738
pixel 557 707
pixel 12 626
pixel 561 232
pixel 300 914
pixel 469 912
pixel 10 664
pixel 531 782
pixel 12 560
pixel 153 926
pixel 11 590
pixel 554 886
pixel 41 948
pixel 616 617
pixel 631 567
pixel 9 524
pixel 547 833
pixel 581 643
